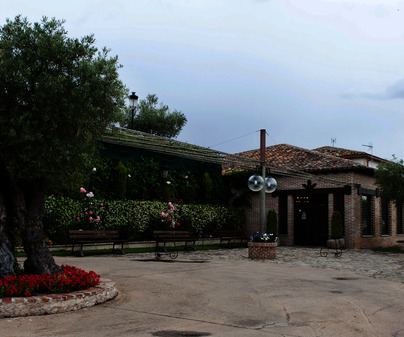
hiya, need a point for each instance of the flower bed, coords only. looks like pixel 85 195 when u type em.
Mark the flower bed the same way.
pixel 72 279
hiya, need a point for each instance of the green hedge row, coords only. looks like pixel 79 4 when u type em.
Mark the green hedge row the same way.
pixel 135 219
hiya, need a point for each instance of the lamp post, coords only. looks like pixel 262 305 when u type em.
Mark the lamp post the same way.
pixel 261 183
pixel 132 104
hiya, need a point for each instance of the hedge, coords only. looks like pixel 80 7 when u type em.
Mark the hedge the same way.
pixel 136 219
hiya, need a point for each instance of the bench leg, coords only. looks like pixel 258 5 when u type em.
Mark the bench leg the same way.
pixel 122 250
pixel 81 250
pixel 72 249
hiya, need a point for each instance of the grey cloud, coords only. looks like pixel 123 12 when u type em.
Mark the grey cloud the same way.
pixel 395 91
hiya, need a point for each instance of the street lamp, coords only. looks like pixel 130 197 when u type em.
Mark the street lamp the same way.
pixel 132 104
pixel 262 183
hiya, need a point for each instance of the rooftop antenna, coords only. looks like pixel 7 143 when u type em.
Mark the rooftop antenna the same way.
pixel 333 141
pixel 370 147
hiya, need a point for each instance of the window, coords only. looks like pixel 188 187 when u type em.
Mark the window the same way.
pixel 385 222
pixel 366 215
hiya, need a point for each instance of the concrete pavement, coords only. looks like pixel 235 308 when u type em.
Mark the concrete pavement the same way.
pixel 200 295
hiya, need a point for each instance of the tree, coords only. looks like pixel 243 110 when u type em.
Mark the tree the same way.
pixel 156 119
pixel 57 96
pixel 390 179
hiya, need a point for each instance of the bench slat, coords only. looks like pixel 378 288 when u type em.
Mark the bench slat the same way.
pixel 172 236
pixel 82 237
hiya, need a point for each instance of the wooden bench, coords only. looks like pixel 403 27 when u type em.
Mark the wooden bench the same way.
pixel 82 237
pixel 232 235
pixel 162 237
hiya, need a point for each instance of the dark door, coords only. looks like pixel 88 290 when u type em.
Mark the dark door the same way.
pixel 311 220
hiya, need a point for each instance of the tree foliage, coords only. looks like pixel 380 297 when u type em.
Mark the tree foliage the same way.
pixel 155 118
pixel 390 179
pixel 57 96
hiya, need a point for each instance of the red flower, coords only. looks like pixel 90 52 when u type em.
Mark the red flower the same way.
pixel 72 278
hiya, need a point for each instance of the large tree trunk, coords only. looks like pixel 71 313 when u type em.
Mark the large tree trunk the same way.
pixel 7 260
pixel 28 200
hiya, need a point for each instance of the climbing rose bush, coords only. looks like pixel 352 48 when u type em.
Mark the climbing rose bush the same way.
pixel 72 279
pixel 169 216
pixel 88 215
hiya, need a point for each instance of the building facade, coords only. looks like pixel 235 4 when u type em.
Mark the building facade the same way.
pixel 337 180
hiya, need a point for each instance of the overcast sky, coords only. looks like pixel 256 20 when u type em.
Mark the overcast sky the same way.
pixel 306 71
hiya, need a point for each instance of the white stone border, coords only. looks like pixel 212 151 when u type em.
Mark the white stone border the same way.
pixel 57 303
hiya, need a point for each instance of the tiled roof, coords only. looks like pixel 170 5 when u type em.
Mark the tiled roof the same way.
pixel 339 152
pixel 296 158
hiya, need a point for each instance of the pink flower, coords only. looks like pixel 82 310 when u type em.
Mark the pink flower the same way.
pixel 82 190
pixel 97 219
pixel 91 219
pixel 186 177
pixel 78 218
pixel 90 194
pixel 102 204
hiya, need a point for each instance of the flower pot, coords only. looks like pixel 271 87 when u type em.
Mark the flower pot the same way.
pixel 262 250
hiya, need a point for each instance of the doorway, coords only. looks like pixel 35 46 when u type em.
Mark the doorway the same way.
pixel 311 219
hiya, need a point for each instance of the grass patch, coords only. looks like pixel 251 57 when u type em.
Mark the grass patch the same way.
pixel 95 252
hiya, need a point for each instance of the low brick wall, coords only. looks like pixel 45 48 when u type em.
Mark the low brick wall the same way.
pixel 258 250
pixel 57 303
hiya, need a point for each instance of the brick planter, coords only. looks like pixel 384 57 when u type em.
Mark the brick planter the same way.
pixel 264 250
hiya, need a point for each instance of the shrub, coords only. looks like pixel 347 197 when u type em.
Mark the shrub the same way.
pixel 337 229
pixel 60 216
pixel 138 217
pixel 272 222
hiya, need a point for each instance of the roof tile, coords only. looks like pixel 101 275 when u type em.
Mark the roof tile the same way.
pixel 293 157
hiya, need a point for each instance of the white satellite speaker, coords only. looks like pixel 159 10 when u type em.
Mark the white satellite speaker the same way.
pixel 256 183
pixel 270 184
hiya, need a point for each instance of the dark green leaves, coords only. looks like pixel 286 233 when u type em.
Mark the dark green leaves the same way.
pixel 57 96
pixel 156 119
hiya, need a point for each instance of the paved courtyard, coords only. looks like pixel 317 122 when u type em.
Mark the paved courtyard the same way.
pixel 223 293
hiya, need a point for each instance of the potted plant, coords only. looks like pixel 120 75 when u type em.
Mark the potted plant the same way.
pixel 263 245
pixel 337 231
